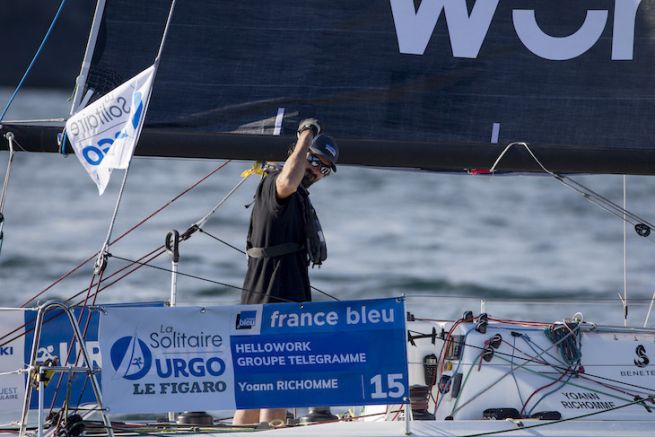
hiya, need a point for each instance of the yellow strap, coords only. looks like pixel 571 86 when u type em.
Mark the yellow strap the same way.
pixel 257 168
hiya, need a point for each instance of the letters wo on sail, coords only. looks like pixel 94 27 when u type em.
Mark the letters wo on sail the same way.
pixel 105 133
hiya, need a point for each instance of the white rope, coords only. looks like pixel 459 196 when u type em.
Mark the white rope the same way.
pixel 35 121
pixel 5 184
pixel 10 138
pixel 488 301
pixel 650 308
pixel 5 425
pixel 200 223
pixel 13 372
pixel 625 253
pixel 101 260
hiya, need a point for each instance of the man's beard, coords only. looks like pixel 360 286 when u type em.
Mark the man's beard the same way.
pixel 308 180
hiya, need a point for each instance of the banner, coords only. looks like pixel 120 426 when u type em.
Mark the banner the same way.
pixel 12 384
pixel 105 133
pixel 254 356
pixel 16 339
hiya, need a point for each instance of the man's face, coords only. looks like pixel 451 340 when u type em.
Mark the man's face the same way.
pixel 316 168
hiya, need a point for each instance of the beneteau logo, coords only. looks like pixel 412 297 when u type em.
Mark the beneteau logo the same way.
pixel 642 359
pixel 467 32
pixel 131 357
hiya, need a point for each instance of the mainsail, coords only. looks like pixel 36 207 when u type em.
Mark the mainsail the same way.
pixel 431 84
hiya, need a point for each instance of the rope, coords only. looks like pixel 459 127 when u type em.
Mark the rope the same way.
pixel 486 388
pixel 599 301
pixel 533 359
pixel 124 234
pixel 200 278
pixel 567 341
pixel 36 56
pixel 5 185
pixel 590 195
pixel 582 416
pixel 153 255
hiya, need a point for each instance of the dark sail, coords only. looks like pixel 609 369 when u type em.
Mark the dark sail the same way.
pixel 435 84
pixel 23 24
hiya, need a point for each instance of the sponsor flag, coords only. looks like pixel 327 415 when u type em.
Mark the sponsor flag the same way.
pixel 105 133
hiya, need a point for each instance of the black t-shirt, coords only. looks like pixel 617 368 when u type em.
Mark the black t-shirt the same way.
pixel 276 222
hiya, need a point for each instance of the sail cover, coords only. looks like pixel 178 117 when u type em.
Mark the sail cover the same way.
pixel 434 84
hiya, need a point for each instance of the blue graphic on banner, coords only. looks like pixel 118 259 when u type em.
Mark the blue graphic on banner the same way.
pixel 56 337
pixel 336 353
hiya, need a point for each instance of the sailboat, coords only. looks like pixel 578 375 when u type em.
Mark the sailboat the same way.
pixel 437 85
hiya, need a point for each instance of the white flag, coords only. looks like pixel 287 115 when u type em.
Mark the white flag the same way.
pixel 105 133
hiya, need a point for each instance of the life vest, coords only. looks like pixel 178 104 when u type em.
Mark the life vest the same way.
pixel 315 244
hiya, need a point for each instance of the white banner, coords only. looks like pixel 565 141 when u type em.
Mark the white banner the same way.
pixel 173 359
pixel 12 384
pixel 105 133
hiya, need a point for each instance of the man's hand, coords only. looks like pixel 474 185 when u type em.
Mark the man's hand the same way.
pixel 309 124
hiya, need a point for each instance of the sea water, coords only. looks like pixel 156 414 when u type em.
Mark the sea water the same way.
pixel 445 241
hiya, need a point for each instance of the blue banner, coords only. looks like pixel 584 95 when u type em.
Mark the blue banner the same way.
pixel 336 353
pixel 55 345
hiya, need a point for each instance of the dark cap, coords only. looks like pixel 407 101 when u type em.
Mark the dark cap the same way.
pixel 325 146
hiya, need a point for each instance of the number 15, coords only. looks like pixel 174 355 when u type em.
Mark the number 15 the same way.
pixel 395 387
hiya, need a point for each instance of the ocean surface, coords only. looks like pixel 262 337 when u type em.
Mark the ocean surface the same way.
pixel 445 241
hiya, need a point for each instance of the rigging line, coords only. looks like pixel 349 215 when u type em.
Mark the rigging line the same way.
pixel 547 376
pixel 650 308
pixel 70 299
pixel 101 261
pixel 466 378
pixel 625 254
pixel 36 56
pixel 532 346
pixel 562 375
pixel 532 359
pixel 586 192
pixel 221 241
pixel 35 121
pixel 524 301
pixel 555 344
pixel 200 223
pixel 5 185
pixel 582 416
pixel 559 387
pixel 124 234
pixel 243 252
pixel 200 278
pixel 516 382
pixel 10 139
pixel 583 189
pixel 641 390
pixel 120 278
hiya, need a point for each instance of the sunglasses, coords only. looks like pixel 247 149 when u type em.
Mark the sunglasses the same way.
pixel 315 161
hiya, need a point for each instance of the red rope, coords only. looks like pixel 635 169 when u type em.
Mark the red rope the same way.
pixel 120 237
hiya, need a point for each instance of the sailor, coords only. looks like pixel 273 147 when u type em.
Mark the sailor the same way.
pixel 285 236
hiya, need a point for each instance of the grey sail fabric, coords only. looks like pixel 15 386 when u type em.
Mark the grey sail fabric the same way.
pixel 433 84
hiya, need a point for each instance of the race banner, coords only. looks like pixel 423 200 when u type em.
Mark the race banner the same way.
pixel 12 384
pixel 17 337
pixel 254 356
pixel 105 133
